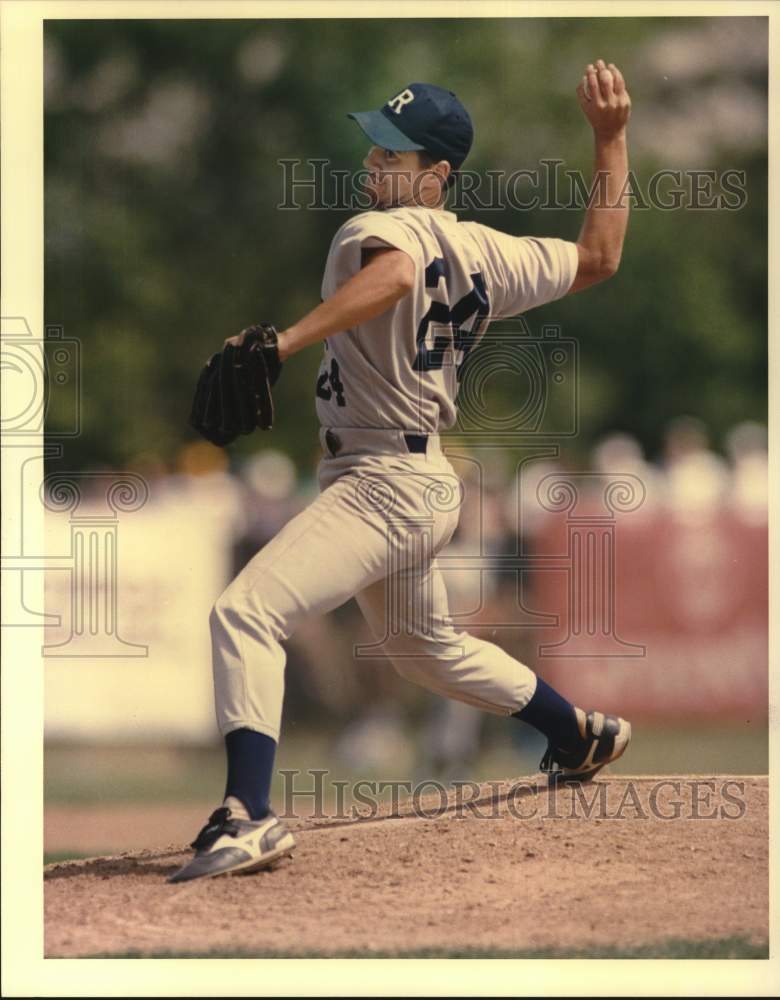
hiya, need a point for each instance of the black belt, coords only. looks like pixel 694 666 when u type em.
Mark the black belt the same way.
pixel 416 443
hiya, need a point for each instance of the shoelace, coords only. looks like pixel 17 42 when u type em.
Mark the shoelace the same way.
pixel 557 759
pixel 219 823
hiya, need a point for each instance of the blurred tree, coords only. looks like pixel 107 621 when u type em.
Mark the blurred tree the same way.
pixel 163 236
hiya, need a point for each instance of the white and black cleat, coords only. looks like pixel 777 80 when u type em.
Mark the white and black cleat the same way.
pixel 604 738
pixel 228 844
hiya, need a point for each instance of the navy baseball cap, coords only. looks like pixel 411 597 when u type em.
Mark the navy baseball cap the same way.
pixel 422 117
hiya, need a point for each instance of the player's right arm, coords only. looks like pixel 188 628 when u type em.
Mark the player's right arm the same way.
pixel 525 272
pixel 606 104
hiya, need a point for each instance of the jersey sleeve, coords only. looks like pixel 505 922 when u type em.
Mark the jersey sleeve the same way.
pixel 365 231
pixel 528 271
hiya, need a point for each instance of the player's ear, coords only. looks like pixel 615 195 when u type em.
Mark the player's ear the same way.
pixel 438 171
pixel 443 169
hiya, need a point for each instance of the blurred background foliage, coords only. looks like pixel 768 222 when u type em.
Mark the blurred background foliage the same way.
pixel 163 236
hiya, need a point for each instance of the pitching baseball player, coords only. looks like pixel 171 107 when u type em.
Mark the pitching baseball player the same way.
pixel 408 291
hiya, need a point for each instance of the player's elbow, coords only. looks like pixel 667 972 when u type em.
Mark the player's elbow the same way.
pixel 600 264
pixel 608 266
pixel 594 267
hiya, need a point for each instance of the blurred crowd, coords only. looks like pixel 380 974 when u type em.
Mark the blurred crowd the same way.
pixel 501 514
pixel 689 479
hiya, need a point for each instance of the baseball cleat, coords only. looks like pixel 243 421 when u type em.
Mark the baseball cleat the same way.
pixel 604 739
pixel 227 844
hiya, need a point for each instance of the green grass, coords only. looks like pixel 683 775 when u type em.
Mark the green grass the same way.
pixel 734 947
pixel 53 857
pixel 82 774
pixel 722 749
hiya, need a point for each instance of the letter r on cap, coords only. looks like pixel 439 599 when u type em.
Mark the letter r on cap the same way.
pixel 398 102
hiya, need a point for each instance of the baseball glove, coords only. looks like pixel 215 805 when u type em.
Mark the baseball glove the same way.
pixel 233 394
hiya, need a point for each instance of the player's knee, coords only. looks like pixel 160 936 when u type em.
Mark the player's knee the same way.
pixel 240 610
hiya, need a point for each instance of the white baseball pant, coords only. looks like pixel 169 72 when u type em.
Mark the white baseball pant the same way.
pixel 373 533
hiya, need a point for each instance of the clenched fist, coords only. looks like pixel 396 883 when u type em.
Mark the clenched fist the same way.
pixel 604 99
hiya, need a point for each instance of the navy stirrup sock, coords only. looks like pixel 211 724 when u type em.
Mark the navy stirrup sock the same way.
pixel 552 715
pixel 250 760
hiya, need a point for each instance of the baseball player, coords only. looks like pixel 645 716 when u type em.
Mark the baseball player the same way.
pixel 408 291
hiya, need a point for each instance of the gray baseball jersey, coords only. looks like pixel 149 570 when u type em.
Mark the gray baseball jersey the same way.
pixel 397 373
pixel 401 369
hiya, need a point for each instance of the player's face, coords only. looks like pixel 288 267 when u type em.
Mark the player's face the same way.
pixel 396 178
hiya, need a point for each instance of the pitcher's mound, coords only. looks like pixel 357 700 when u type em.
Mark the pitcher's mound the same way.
pixel 622 863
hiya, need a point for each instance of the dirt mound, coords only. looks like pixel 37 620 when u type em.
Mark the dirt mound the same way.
pixel 623 862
